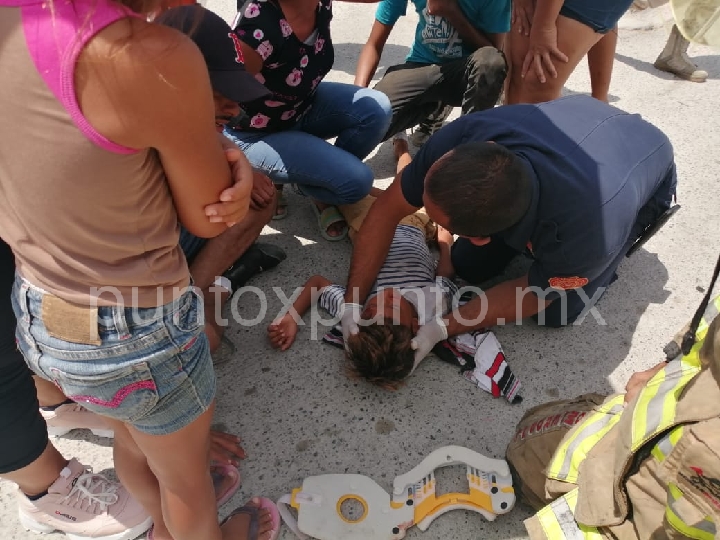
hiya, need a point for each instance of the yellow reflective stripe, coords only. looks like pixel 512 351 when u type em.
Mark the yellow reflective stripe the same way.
pixel 655 408
pixel 558 520
pixel 705 530
pixel 573 450
pixel 663 448
pixel 711 312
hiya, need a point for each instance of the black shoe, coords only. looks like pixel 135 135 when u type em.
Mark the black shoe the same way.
pixel 652 229
pixel 258 258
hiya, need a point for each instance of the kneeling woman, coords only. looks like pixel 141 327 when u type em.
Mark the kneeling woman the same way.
pixel 287 45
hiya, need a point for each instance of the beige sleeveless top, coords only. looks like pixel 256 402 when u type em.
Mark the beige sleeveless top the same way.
pixel 79 211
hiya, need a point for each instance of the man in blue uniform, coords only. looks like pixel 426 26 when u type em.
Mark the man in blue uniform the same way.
pixel 574 183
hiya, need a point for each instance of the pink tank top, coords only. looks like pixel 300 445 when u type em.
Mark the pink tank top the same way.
pixel 79 211
pixel 56 34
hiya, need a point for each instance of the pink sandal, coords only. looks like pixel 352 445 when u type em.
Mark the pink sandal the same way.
pixel 254 512
pixel 220 472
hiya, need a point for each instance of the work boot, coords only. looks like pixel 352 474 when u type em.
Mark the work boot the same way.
pixel 258 258
pixel 84 505
pixel 430 125
pixel 674 59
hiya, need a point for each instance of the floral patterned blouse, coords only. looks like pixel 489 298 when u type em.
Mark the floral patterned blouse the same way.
pixel 291 69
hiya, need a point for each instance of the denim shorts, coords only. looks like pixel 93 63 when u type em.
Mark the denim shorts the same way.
pixel 147 367
pixel 601 16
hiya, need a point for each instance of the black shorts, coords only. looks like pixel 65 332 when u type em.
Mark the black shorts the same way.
pixel 601 16
pixel 23 433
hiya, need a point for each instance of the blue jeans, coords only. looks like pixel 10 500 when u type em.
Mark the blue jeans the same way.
pixel 148 367
pixel 332 174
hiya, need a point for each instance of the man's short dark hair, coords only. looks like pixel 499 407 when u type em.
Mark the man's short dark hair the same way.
pixel 483 188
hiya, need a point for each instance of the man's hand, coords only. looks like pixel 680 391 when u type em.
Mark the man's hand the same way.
pixel 235 200
pixel 522 15
pixel 428 335
pixel 543 48
pixel 263 191
pixel 349 317
pixel 638 381
pixel 444 236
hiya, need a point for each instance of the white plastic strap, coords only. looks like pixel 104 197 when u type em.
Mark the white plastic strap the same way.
pixel 223 282
pixel 290 521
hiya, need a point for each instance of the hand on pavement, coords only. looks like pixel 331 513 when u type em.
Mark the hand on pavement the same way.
pixel 225 448
pixel 282 332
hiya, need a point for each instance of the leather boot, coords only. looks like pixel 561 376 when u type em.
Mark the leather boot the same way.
pixel 674 59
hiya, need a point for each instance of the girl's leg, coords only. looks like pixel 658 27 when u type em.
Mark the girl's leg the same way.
pixel 601 58
pixel 174 481
pixel 574 39
pixel 358 117
pixel 131 467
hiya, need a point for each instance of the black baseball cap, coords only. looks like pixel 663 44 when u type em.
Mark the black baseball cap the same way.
pixel 221 49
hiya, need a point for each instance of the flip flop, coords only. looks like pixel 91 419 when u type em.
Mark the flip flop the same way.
pixel 282 202
pixel 220 471
pixel 328 217
pixel 253 513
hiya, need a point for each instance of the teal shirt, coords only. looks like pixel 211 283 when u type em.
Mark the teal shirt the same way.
pixel 436 40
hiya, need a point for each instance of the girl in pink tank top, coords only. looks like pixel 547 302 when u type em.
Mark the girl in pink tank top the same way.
pixel 113 141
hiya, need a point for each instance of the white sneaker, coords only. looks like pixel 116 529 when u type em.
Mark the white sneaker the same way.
pixel 84 505
pixel 71 416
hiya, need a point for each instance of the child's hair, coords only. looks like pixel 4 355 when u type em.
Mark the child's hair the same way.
pixel 381 354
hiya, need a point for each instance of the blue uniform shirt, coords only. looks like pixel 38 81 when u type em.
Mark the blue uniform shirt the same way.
pixel 436 40
pixel 593 167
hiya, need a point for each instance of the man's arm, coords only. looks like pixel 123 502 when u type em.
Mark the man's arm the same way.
pixel 371 53
pixel 445 241
pixel 504 303
pixel 450 10
pixel 373 241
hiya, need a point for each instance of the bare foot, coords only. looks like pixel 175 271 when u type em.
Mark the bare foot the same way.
pixel 282 206
pixel 237 527
pixel 400 147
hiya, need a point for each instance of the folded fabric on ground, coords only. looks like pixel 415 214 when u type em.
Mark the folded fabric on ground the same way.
pixel 479 356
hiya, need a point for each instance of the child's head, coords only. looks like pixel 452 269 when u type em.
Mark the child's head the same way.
pixel 381 353
pixel 222 51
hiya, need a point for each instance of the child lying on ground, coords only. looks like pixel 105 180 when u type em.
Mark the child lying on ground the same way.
pixel 409 291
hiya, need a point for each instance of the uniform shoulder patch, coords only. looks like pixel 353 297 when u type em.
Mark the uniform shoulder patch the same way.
pixel 566 283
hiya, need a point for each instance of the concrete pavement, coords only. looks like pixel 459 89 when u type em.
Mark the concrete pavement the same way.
pixel 299 415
